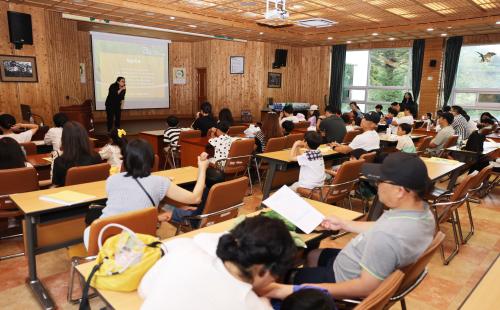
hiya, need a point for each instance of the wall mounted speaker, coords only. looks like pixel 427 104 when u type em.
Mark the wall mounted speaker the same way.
pixel 20 31
pixel 432 63
pixel 280 58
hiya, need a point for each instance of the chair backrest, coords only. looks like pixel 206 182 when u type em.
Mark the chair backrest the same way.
pixel 452 141
pixel 16 180
pixel 156 164
pixel 276 144
pixel 29 148
pixel 236 130
pixel 379 298
pixel 482 176
pixel 187 134
pixel 368 157
pixel 349 136
pixel 348 172
pixel 412 272
pixel 223 196
pixel 301 125
pixel 239 156
pixel 291 138
pixel 86 174
pixel 141 221
pixel 424 144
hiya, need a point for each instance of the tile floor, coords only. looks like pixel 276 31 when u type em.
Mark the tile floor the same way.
pixel 444 288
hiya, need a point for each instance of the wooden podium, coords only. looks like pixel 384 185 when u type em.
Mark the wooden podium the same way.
pixel 81 113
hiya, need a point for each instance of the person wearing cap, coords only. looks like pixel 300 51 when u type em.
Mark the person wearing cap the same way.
pixel 369 140
pixel 332 125
pixel 313 115
pixel 397 239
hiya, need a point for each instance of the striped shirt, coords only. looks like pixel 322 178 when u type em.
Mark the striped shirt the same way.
pixel 171 136
pixel 259 135
pixel 461 127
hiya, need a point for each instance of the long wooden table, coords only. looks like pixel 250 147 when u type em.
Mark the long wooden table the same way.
pixel 468 156
pixel 121 300
pixel 155 138
pixel 281 161
pixel 37 211
pixel 486 294
pixel 191 148
pixel 42 164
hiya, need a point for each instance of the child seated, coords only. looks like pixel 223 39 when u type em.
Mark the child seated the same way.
pixel 171 137
pixel 54 135
pixel 287 127
pixel 113 151
pixel 405 143
pixel 312 165
pixel 220 141
pixel 308 298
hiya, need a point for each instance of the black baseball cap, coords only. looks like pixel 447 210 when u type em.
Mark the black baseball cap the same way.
pixel 373 117
pixel 399 168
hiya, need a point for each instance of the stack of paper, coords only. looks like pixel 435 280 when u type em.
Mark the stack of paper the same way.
pixel 67 197
pixel 295 209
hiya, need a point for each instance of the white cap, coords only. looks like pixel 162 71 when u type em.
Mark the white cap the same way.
pixel 313 108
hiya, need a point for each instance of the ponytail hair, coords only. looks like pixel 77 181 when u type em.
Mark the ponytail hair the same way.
pixel 258 240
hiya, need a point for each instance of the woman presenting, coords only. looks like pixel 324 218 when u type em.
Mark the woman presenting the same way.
pixel 114 102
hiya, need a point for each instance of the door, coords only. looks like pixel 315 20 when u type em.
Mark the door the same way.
pixel 201 77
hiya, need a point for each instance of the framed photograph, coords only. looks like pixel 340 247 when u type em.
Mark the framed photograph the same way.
pixel 273 80
pixel 18 69
pixel 236 64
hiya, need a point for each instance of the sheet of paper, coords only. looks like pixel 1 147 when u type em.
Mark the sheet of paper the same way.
pixel 67 197
pixel 295 209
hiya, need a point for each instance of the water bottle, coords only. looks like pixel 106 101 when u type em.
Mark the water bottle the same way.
pixel 429 125
pixel 459 142
pixel 388 131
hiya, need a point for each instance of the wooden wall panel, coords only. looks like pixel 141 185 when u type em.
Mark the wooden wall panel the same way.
pixel 431 76
pixel 315 75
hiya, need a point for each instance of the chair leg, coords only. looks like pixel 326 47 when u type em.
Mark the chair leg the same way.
pixel 74 263
pixel 257 170
pixel 9 256
pixel 250 180
pixel 350 200
pixel 459 226
pixel 447 260
pixel 403 304
pixel 471 223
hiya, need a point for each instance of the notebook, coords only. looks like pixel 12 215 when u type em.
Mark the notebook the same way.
pixel 67 197
pixel 295 209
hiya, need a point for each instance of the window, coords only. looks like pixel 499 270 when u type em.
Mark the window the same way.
pixel 477 84
pixel 378 76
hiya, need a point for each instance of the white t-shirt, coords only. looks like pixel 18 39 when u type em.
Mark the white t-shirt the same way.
pixel 312 169
pixel 53 136
pixel 292 118
pixel 222 145
pixel 191 277
pixel 112 154
pixel 405 144
pixel 368 141
pixel 22 137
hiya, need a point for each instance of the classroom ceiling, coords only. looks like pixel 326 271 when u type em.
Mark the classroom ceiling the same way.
pixel 356 21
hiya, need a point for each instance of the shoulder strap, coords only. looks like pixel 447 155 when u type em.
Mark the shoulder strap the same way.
pixel 146 192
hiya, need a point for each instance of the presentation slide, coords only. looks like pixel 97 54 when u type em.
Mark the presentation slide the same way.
pixel 143 62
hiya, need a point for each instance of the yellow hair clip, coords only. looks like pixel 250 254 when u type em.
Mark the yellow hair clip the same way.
pixel 121 133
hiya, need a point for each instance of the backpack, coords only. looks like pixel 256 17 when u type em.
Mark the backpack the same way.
pixel 122 261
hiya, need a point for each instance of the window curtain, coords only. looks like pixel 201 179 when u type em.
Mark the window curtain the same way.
pixel 451 56
pixel 337 75
pixel 416 67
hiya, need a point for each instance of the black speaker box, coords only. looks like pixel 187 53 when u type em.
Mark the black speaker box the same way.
pixel 433 63
pixel 20 30
pixel 280 58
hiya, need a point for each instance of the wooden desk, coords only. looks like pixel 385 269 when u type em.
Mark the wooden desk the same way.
pixel 121 300
pixel 281 161
pixel 41 164
pixel 155 138
pixel 391 141
pixel 191 148
pixel 486 294
pixel 468 156
pixel 423 131
pixel 494 136
pixel 38 211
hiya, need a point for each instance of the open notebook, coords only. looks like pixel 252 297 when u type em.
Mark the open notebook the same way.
pixel 67 197
pixel 295 209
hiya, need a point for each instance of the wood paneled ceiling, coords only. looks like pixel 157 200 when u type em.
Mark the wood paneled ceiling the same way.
pixel 357 21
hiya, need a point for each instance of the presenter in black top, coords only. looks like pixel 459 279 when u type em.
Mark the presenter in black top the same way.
pixel 114 102
pixel 408 102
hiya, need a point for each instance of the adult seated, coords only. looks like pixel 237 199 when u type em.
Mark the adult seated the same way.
pixel 10 128
pixel 369 140
pixel 444 121
pixel 204 119
pixel 287 115
pixel 332 125
pixel 214 271
pixel 395 240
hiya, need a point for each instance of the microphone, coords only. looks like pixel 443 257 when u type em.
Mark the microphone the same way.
pixel 74 99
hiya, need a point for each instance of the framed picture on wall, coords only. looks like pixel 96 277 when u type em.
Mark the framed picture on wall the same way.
pixel 273 80
pixel 236 64
pixel 18 69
